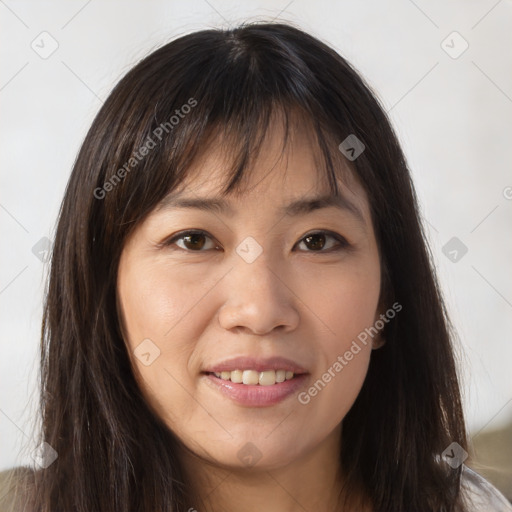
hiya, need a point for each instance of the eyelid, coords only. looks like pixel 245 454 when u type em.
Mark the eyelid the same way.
pixel 342 242
pixel 180 234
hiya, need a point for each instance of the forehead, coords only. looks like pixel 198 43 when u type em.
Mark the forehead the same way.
pixel 302 197
pixel 288 166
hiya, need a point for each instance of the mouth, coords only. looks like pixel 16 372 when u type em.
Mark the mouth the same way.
pixel 250 388
pixel 255 378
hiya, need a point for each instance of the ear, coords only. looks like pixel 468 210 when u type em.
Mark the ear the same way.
pixel 383 313
pixel 379 340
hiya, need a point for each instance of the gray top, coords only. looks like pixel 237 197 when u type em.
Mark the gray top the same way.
pixel 479 494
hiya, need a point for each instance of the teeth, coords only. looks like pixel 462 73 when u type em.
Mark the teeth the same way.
pixel 236 376
pixel 267 378
pixel 253 377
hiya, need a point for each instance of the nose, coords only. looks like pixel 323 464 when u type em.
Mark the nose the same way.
pixel 258 299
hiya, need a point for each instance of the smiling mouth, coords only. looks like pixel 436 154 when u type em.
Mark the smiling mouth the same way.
pixel 254 377
pixel 252 388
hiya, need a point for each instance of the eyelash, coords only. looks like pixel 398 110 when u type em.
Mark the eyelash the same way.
pixel 341 241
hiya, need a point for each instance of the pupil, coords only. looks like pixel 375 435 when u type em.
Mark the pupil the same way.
pixel 195 240
pixel 320 241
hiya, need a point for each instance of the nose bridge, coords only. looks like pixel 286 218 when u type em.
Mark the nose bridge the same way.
pixel 258 279
pixel 257 296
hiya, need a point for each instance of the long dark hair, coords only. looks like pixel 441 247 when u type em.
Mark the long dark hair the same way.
pixel 114 453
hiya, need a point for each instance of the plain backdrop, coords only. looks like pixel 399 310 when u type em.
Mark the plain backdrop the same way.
pixel 449 96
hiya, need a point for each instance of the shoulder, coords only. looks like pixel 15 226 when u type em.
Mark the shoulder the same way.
pixel 480 495
pixel 13 484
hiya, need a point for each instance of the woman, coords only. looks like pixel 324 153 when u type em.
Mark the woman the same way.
pixel 242 313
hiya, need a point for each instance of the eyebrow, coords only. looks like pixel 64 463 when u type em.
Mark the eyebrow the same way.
pixel 301 206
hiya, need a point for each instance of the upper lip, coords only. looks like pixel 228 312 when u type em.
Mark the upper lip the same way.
pixel 259 364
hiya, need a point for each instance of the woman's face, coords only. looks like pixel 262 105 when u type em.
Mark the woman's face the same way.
pixel 265 289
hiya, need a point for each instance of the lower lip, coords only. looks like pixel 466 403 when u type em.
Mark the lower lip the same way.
pixel 256 395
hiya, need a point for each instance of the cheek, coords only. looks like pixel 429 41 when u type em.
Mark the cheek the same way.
pixel 346 349
pixel 150 302
pixel 159 301
pixel 159 304
pixel 334 389
pixel 345 301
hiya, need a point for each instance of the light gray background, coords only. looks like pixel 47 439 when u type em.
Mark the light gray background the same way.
pixel 453 116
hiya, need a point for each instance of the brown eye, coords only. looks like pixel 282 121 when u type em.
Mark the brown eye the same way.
pixel 317 242
pixel 193 241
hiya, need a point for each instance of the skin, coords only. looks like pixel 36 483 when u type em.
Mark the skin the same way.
pixel 209 305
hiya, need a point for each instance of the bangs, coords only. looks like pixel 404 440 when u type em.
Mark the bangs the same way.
pixel 240 142
pixel 235 88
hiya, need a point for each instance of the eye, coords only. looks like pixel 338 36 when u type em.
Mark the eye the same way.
pixel 319 242
pixel 194 241
pixel 199 241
